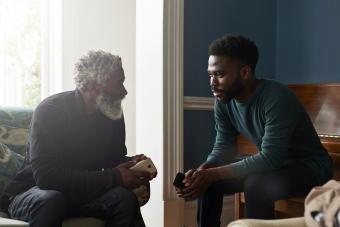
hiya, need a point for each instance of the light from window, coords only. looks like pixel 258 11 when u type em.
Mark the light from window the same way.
pixel 20 52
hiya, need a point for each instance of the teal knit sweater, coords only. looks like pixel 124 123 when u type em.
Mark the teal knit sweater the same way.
pixel 276 122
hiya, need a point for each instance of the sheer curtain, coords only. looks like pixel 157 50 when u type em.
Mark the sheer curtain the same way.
pixel 30 51
pixel 51 48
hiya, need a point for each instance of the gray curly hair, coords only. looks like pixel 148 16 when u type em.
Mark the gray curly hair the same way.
pixel 96 66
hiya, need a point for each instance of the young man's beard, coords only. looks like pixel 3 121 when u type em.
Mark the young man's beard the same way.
pixel 232 93
pixel 110 106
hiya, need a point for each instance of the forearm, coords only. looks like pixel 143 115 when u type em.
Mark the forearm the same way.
pixel 79 185
pixel 206 165
pixel 221 173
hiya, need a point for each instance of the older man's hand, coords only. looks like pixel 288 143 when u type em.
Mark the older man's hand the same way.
pixel 131 178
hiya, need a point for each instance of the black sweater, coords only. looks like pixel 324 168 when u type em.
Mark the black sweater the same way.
pixel 72 151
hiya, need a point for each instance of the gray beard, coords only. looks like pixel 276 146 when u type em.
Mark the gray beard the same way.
pixel 110 107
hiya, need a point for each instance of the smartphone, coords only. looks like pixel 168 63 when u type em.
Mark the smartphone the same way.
pixel 178 182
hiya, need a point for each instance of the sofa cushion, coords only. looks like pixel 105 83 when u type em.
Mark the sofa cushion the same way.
pixel 5 222
pixel 10 162
pixel 83 222
pixel 286 222
pixel 70 222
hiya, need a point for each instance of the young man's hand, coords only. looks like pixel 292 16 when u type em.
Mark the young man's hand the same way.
pixel 196 182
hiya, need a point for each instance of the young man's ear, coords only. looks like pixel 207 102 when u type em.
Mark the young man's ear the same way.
pixel 245 72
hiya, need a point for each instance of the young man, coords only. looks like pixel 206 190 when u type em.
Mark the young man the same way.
pixel 76 163
pixel 291 158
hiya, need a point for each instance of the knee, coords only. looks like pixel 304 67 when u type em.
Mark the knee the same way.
pixel 257 188
pixel 253 188
pixel 123 199
pixel 51 200
pixel 128 199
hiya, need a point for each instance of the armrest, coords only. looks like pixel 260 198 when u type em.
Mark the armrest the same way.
pixel 287 222
pixel 5 222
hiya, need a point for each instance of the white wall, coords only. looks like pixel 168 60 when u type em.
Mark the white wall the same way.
pixel 149 99
pixel 112 25
pixel 109 25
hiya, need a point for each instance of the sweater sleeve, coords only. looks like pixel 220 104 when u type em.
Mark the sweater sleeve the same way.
pixel 224 149
pixel 47 140
pixel 281 116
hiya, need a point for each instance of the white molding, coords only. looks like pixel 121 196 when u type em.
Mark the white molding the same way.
pixel 173 93
pixel 173 108
pixel 198 103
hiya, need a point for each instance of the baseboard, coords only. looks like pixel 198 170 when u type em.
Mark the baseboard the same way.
pixel 174 213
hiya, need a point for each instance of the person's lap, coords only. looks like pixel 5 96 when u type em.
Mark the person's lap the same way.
pixel 118 206
pixel 292 180
pixel 261 191
pixel 39 207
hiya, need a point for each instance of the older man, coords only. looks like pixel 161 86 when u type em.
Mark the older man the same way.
pixel 76 163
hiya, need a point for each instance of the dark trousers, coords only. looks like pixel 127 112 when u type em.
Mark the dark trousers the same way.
pixel 47 208
pixel 261 191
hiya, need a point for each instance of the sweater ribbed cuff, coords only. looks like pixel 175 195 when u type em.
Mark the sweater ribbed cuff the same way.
pixel 116 177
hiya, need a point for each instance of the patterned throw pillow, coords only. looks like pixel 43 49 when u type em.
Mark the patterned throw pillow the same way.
pixel 10 162
pixel 14 122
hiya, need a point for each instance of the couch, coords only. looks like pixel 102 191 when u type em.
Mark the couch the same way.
pixel 14 123
pixel 287 222
pixel 322 208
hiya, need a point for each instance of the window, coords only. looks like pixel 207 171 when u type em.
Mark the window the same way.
pixel 25 53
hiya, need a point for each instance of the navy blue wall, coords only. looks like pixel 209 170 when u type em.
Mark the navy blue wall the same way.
pixel 199 134
pixel 299 42
pixel 205 21
pixel 308 41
